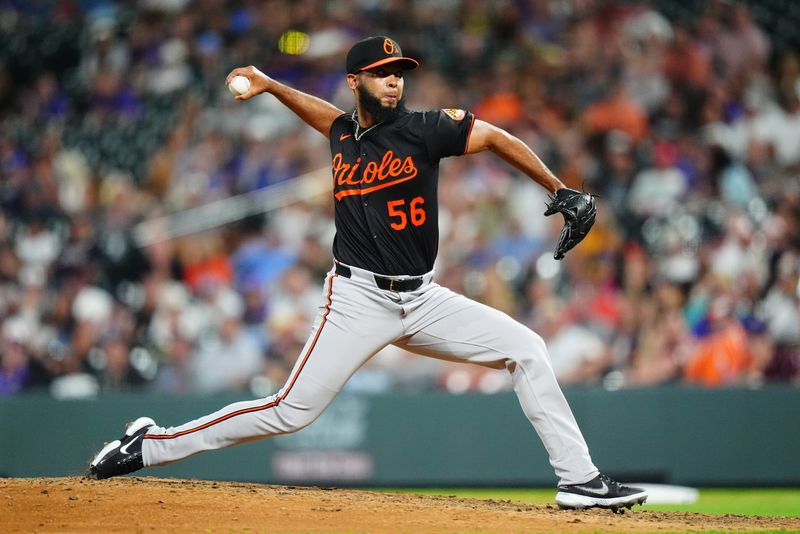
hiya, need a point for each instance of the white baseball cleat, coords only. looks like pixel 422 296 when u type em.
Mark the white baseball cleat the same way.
pixel 600 492
pixel 121 456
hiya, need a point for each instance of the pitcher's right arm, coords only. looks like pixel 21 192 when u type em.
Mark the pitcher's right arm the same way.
pixel 314 111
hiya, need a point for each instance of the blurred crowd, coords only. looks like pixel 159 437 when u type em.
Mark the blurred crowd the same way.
pixel 111 113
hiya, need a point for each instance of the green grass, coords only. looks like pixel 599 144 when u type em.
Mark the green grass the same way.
pixel 768 502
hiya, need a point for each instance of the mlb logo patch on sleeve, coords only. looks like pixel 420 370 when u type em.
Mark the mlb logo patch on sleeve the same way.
pixel 455 114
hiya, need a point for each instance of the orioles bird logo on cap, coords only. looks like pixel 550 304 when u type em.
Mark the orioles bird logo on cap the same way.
pixel 389 46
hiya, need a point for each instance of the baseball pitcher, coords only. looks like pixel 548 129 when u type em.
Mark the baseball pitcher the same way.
pixel 381 289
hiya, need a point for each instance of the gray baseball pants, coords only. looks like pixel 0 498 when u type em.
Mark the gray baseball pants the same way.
pixel 356 320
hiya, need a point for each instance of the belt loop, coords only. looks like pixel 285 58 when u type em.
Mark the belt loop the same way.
pixel 343 270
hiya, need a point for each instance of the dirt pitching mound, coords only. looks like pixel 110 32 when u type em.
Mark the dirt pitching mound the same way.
pixel 135 504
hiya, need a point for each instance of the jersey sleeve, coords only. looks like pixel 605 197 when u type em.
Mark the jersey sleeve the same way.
pixel 447 132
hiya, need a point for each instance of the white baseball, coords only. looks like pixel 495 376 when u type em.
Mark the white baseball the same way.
pixel 239 85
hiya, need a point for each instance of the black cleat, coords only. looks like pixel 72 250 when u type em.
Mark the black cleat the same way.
pixel 600 492
pixel 121 456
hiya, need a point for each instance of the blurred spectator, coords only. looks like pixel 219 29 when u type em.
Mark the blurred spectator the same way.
pixel 578 355
pixel 16 368
pixel 117 373
pixel 36 246
pixel 778 127
pixel 206 264
pixel 664 343
pixel 657 190
pixel 617 112
pixel 227 356
pixel 734 180
pixel 722 356
pixel 742 44
pixel 781 311
pixel 503 106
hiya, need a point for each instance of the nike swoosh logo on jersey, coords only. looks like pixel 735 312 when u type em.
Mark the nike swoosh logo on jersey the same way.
pixel 603 490
pixel 344 136
pixel 124 448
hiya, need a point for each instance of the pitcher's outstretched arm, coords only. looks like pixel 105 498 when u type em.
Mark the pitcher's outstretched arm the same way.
pixel 317 113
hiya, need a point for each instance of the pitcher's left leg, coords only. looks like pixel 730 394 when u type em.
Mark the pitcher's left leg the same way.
pixel 446 325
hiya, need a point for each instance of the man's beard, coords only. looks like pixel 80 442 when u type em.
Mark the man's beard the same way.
pixel 372 105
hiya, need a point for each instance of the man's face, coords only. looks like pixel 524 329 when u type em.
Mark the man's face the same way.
pixel 385 83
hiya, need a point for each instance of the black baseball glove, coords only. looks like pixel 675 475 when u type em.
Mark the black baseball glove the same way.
pixel 579 210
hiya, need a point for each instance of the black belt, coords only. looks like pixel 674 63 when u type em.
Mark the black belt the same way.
pixel 383 282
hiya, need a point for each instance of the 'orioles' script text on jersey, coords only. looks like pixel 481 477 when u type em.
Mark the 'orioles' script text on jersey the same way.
pixel 385 188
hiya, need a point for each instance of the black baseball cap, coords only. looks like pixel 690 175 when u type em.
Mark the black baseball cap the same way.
pixel 376 51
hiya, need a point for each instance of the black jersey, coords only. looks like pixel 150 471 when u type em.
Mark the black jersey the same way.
pixel 385 188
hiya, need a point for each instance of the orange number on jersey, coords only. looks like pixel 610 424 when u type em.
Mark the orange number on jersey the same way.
pixel 415 209
pixel 417 213
pixel 392 205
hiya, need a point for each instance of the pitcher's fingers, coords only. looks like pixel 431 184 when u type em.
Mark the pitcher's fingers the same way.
pixel 246 96
pixel 238 71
